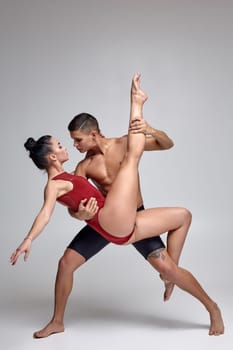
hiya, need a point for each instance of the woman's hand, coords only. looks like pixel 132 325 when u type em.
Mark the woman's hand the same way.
pixel 86 209
pixel 25 248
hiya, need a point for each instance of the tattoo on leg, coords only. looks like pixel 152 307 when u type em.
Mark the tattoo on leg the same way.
pixel 157 254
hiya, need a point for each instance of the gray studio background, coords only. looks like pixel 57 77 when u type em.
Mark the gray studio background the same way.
pixel 60 58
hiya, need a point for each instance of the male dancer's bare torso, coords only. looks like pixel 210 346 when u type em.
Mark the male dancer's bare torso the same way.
pixel 102 166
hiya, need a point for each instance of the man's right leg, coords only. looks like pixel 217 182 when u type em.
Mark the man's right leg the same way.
pixel 86 244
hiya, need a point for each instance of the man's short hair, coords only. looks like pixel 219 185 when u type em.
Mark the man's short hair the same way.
pixel 84 122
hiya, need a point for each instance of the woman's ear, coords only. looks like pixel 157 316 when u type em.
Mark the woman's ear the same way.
pixel 52 156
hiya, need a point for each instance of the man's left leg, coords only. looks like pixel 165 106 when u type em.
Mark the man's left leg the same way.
pixel 151 249
pixel 159 258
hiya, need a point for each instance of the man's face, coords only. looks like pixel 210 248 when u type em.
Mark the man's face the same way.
pixel 83 142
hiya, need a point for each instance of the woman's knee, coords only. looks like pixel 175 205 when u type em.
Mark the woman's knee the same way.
pixel 70 261
pixel 187 216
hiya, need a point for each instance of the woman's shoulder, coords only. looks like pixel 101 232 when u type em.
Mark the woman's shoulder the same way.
pixel 58 185
pixel 51 188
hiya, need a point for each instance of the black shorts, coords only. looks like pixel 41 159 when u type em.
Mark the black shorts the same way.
pixel 88 242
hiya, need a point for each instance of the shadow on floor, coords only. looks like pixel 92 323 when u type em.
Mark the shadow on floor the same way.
pixel 90 312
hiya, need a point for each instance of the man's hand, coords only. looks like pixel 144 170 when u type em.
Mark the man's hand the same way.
pixel 155 139
pixel 139 126
pixel 86 209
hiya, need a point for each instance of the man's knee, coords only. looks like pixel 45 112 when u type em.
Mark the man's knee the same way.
pixel 70 261
pixel 157 254
pixel 161 261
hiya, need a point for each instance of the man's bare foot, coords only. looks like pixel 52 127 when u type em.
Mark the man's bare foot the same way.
pixel 51 328
pixel 216 321
pixel 137 94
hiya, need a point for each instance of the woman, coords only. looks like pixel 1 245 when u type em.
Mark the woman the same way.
pixel 116 218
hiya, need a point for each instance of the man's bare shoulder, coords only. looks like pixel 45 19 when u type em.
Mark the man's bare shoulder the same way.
pixel 122 138
pixel 119 141
pixel 103 161
pixel 82 166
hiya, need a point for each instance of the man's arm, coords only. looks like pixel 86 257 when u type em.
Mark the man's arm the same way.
pixel 155 139
pixel 87 208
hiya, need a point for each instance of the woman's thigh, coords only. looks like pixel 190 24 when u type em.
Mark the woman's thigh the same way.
pixel 155 221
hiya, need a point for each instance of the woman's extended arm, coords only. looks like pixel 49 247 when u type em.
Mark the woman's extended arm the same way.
pixel 39 223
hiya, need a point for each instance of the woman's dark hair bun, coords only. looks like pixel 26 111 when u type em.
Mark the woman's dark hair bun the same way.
pixel 30 144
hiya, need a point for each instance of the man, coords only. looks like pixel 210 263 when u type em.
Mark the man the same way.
pixel 101 164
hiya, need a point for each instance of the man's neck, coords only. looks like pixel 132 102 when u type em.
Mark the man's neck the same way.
pixel 102 145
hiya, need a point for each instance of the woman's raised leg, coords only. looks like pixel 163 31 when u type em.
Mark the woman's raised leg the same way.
pixel 119 212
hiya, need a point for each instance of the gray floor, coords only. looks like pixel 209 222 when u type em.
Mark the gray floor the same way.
pixel 93 323
pixel 114 310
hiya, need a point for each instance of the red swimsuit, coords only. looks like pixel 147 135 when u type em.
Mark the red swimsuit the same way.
pixel 82 189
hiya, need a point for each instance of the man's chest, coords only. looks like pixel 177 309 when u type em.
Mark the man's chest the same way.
pixel 104 168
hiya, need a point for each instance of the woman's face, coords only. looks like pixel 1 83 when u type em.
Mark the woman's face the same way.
pixel 59 151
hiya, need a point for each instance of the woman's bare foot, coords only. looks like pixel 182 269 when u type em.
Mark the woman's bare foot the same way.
pixel 216 321
pixel 51 328
pixel 137 94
